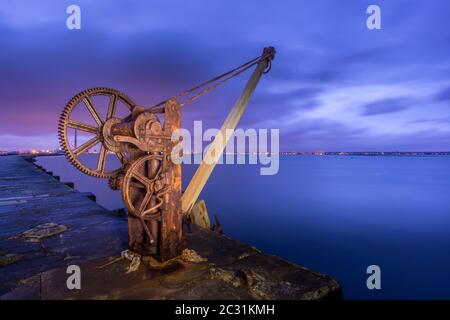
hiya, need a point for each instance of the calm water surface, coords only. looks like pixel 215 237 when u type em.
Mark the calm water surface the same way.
pixel 336 215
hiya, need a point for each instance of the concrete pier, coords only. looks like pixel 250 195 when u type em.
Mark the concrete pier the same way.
pixel 46 225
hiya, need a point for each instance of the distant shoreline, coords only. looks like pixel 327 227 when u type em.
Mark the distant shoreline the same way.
pixel 375 154
pixel 285 153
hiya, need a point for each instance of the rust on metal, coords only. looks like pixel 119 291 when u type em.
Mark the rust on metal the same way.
pixel 149 179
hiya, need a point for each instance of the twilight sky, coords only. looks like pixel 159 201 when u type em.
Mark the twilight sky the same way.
pixel 335 85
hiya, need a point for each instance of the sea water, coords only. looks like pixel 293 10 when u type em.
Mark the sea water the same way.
pixel 334 214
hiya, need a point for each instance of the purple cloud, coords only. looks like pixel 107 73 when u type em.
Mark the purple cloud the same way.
pixel 444 95
pixel 385 106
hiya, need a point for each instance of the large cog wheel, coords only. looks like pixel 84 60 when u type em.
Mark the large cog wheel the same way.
pixel 65 122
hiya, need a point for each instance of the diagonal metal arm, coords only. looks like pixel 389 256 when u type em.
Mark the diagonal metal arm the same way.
pixel 205 169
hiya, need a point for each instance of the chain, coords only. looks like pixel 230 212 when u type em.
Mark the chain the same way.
pixel 215 81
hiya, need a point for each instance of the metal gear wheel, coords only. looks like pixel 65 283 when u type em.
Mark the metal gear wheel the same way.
pixel 65 122
pixel 139 185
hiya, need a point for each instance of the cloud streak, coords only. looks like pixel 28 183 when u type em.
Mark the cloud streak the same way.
pixel 384 106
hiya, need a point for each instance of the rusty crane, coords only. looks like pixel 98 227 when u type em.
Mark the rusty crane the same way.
pixel 150 182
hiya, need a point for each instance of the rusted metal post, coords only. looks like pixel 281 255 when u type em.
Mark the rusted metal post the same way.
pixel 171 220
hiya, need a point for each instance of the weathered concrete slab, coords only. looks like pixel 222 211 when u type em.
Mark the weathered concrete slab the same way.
pixel 245 273
pixel 29 199
pixel 94 239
